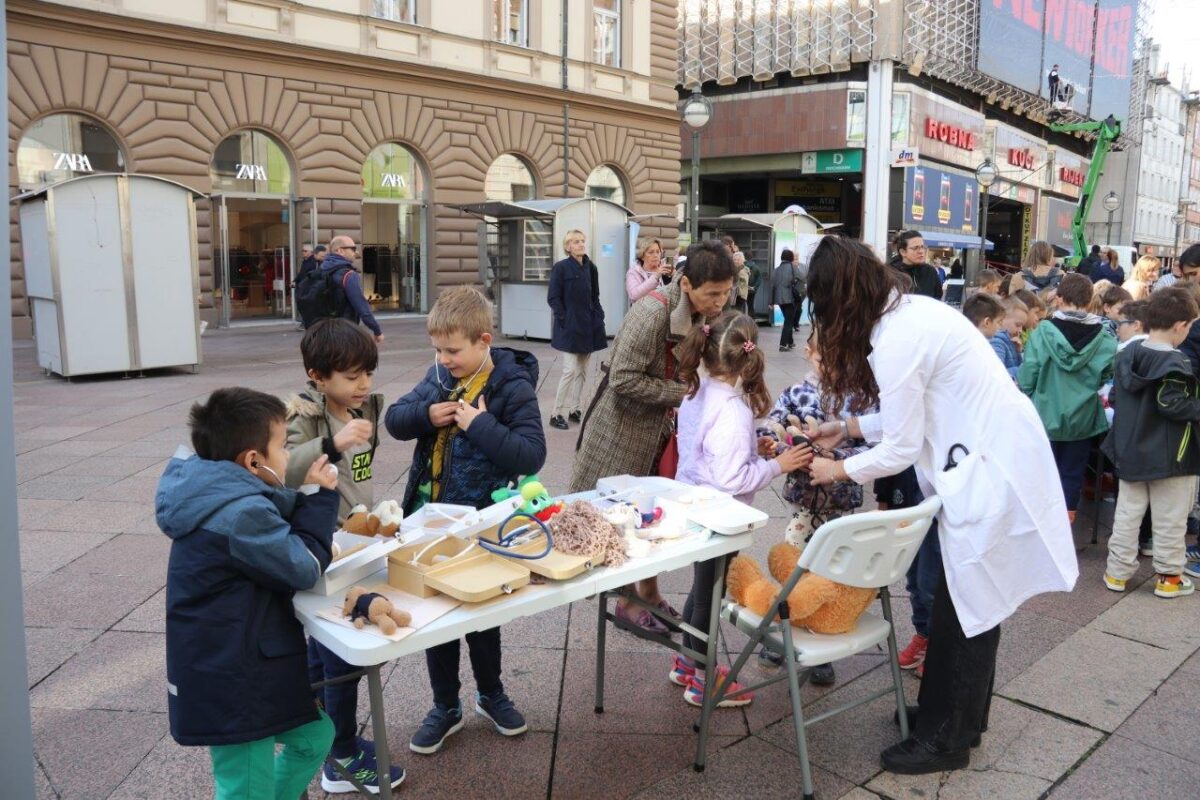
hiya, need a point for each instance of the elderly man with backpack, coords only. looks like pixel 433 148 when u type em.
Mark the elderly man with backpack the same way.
pixel 335 290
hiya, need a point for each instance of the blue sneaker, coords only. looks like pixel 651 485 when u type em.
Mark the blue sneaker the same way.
pixel 364 769
pixel 440 723
pixel 1192 565
pixel 501 711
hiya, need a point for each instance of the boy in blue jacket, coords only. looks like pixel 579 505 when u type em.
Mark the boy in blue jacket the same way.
pixel 476 421
pixel 242 545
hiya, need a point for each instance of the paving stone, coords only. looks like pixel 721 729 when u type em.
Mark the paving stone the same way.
pixel 128 554
pixel 1153 723
pixel 1142 617
pixel 1122 769
pixel 138 488
pixel 582 629
pixel 36 463
pixel 1024 638
pixel 149 617
pixel 46 551
pixel 1094 677
pixel 95 516
pixel 118 671
pixel 107 464
pixel 773 703
pixel 41 784
pixel 547 630
pixel 87 752
pixel 1090 598
pixel 57 486
pixel 83 600
pixel 963 784
pixel 752 767
pixel 169 771
pixel 47 648
pixel 585 762
pixel 859 793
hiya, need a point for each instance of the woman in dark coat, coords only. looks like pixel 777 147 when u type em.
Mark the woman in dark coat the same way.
pixel 577 328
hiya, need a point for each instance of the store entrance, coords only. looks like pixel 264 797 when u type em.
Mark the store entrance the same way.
pixel 392 255
pixel 1005 227
pixel 254 255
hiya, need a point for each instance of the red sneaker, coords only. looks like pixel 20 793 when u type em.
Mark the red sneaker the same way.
pixel 913 656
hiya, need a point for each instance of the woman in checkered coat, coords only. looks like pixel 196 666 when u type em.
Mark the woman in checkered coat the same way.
pixel 627 423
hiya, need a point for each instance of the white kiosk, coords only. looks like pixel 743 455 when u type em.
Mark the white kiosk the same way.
pixel 112 274
pixel 527 243
pixel 794 230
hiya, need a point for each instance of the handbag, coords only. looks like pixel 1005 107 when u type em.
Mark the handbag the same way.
pixel 667 463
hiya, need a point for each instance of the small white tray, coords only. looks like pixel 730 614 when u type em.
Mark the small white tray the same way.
pixel 345 572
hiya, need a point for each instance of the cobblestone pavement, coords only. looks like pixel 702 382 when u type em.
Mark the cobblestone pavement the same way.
pixel 1092 697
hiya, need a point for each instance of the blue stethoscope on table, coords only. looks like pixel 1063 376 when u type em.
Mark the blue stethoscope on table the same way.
pixel 506 541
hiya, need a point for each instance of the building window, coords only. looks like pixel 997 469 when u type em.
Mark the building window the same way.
pixel 606 32
pixel 251 162
pixel 509 178
pixel 63 146
pixel 395 10
pixel 394 222
pixel 512 22
pixel 605 183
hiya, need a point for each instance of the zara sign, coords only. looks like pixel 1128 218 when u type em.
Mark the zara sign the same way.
pixel 251 172
pixel 76 162
pixel 393 181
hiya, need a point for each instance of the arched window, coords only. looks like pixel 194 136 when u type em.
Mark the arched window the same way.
pixel 391 172
pixel 251 162
pixel 63 146
pixel 606 183
pixel 393 247
pixel 509 178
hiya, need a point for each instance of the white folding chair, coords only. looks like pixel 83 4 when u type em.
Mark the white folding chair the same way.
pixel 870 551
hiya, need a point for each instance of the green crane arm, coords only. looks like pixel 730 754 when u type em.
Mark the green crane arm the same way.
pixel 1106 132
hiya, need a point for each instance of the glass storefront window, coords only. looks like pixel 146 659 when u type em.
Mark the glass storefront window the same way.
pixel 251 162
pixel 605 183
pixel 509 179
pixel 391 173
pixel 63 146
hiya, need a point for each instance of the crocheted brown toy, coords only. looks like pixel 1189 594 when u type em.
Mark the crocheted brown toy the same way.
pixel 362 607
pixel 581 530
pixel 815 603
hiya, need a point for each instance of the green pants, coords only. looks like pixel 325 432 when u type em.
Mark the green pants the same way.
pixel 252 771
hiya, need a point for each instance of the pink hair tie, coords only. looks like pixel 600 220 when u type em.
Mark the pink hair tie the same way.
pixel 707 330
pixel 749 347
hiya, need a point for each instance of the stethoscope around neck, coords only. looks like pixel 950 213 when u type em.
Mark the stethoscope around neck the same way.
pixel 437 374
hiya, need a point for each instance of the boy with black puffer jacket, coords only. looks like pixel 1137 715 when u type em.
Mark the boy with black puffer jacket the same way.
pixel 476 421
pixel 1066 361
pixel 1153 445
pixel 242 545
pixel 336 416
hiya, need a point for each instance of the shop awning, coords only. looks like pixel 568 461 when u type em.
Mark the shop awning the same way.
pixel 517 209
pixel 959 240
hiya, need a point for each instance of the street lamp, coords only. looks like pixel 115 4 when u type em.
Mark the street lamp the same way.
pixel 1178 218
pixel 1111 202
pixel 985 176
pixel 697 111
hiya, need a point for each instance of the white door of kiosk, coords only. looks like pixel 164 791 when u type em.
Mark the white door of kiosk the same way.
pixel 606 226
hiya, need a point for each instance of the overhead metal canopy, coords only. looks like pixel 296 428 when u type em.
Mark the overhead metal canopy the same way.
pixel 525 209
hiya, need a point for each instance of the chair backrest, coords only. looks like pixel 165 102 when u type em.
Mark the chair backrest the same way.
pixel 869 550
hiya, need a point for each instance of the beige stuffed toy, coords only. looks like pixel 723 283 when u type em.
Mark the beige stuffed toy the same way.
pixel 364 607
pixel 384 520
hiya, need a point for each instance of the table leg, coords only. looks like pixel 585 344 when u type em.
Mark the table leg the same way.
pixel 383 755
pixel 601 637
pixel 711 663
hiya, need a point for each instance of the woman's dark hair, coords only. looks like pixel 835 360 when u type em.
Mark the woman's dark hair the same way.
pixel 848 291
pixel 787 255
pixel 338 345
pixel 233 421
pixel 727 346
pixel 709 261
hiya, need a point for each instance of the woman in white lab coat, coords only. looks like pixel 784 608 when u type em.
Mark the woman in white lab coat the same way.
pixel 1003 527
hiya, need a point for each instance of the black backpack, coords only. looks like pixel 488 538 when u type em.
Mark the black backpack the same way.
pixel 321 294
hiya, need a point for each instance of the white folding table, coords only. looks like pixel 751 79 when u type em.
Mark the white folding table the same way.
pixel 370 651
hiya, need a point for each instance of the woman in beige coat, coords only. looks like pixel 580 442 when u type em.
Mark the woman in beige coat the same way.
pixel 628 421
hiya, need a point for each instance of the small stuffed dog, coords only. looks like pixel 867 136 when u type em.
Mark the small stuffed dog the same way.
pixel 362 607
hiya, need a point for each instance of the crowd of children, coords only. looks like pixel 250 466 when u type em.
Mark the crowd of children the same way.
pixel 252 511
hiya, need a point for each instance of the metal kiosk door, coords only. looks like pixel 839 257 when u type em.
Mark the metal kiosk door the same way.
pixel 304 231
pixel 222 293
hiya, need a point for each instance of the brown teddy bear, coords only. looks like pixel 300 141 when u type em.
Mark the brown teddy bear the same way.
pixel 362 607
pixel 816 603
pixel 384 520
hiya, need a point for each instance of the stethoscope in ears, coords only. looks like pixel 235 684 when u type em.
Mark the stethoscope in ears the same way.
pixel 438 375
pixel 274 474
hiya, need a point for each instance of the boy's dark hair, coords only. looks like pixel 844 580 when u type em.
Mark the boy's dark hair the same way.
pixel 986 277
pixel 787 255
pixel 1095 249
pixel 904 237
pixel 982 306
pixel 1075 290
pixel 233 421
pixel 1190 257
pixel 1032 301
pixel 709 261
pixel 338 345
pixel 1138 311
pixel 1115 295
pixel 1166 307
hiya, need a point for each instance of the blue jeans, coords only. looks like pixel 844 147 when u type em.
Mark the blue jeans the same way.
pixel 340 699
pixel 923 579
pixel 1072 460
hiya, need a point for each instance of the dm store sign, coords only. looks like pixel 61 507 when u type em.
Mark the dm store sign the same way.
pixel 939 200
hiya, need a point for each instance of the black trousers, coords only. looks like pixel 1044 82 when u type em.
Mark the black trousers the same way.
pixel 340 699
pixel 698 606
pixel 956 692
pixel 442 660
pixel 785 338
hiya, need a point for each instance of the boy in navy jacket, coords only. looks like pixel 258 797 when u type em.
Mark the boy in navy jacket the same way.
pixel 242 545
pixel 476 421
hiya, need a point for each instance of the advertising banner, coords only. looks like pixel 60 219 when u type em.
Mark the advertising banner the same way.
pixel 937 200
pixel 1059 216
pixel 1113 76
pixel 1010 43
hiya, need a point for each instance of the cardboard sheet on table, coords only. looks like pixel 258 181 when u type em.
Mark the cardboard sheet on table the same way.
pixel 424 610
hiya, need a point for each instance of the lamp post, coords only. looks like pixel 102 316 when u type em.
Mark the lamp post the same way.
pixel 1111 203
pixel 1179 217
pixel 697 111
pixel 985 176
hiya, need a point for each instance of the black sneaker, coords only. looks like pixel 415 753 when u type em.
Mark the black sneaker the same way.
pixel 913 757
pixel 501 711
pixel 364 769
pixel 575 417
pixel 768 659
pixel 822 675
pixel 440 723
pixel 558 421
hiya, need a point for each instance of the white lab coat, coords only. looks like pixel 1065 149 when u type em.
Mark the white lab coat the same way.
pixel 940 384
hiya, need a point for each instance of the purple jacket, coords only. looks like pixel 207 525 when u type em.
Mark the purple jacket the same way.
pixel 717 444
